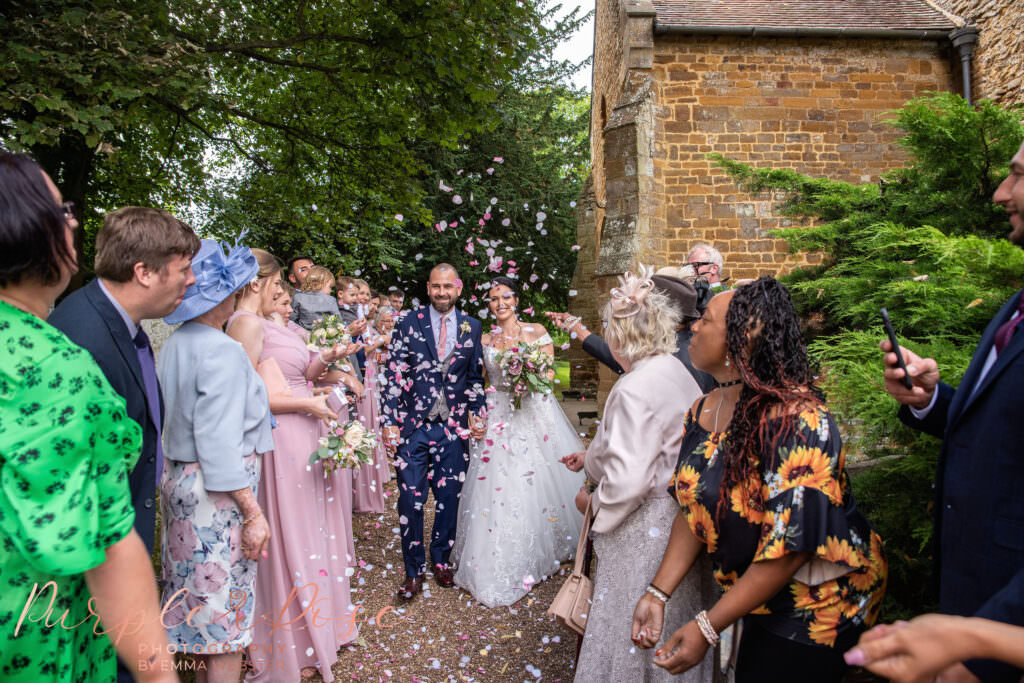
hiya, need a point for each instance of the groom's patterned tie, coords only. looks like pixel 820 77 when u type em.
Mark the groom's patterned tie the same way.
pixel 440 410
pixel 442 337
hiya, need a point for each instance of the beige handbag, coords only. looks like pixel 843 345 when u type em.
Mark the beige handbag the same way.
pixel 572 604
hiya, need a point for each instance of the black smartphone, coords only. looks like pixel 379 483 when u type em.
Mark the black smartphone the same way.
pixel 896 348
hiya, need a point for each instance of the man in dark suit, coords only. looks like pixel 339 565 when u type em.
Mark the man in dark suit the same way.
pixel 143 266
pixel 979 489
pixel 435 375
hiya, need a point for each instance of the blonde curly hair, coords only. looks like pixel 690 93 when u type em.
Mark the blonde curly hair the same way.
pixel 640 321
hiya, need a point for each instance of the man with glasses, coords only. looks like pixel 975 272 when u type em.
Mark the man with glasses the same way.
pixel 684 294
pixel 707 264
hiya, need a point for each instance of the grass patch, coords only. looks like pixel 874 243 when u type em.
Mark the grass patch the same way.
pixel 563 374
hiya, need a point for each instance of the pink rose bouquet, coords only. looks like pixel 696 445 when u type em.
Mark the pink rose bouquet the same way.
pixel 525 368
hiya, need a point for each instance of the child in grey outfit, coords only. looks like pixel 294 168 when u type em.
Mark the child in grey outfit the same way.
pixel 314 300
pixel 309 307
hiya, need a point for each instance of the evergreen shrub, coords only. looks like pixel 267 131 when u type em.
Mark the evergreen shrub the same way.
pixel 925 242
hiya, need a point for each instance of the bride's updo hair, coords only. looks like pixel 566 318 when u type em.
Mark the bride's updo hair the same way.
pixel 502 280
pixel 639 320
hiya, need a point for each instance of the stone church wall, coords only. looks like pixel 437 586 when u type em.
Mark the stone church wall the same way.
pixel 813 105
pixel 997 70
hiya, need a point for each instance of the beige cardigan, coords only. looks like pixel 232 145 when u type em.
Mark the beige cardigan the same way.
pixel 634 452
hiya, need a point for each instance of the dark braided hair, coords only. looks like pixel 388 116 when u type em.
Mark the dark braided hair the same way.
pixel 764 343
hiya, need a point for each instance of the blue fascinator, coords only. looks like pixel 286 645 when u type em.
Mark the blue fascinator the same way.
pixel 220 272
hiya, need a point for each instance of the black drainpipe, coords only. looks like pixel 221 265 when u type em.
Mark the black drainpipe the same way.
pixel 964 39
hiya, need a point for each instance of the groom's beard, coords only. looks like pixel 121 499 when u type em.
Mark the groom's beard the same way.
pixel 442 306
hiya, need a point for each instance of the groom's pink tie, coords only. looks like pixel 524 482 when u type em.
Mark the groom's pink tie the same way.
pixel 442 337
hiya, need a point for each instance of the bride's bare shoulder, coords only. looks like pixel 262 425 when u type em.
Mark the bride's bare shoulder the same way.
pixel 534 331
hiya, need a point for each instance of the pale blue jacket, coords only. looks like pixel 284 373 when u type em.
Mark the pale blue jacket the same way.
pixel 216 406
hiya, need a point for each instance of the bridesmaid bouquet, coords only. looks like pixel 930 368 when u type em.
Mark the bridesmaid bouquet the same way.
pixel 526 371
pixel 345 446
pixel 327 332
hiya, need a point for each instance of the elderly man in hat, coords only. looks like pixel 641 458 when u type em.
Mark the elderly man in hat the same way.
pixel 671 282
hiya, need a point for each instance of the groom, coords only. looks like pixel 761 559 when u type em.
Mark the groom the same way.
pixel 435 396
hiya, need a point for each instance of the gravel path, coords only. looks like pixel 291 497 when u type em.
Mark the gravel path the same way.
pixel 443 634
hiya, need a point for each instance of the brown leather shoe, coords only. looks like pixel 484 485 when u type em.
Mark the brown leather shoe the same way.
pixel 410 588
pixel 443 576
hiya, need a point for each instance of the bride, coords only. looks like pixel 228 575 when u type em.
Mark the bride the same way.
pixel 517 519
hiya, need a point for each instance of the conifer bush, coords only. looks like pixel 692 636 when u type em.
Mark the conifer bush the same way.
pixel 926 243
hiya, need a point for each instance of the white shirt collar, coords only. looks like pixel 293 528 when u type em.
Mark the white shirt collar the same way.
pixel 435 315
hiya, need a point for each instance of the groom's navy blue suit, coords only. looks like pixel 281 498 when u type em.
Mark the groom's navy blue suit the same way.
pixel 431 451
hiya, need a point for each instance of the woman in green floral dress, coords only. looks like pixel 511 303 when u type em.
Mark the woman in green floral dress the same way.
pixel 762 488
pixel 66 446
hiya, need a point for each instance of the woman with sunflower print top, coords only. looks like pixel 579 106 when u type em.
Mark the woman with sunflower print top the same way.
pixel 762 486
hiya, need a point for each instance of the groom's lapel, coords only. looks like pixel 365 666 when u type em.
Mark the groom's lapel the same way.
pixel 463 337
pixel 428 331
pixel 460 336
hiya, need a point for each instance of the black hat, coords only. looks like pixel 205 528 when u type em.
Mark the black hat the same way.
pixel 682 293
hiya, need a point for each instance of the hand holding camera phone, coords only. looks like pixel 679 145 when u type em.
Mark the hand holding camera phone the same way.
pixel 896 349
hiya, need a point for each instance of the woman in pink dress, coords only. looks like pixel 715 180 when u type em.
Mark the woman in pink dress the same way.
pixel 328 384
pixel 384 324
pixel 304 612
pixel 283 311
pixel 368 480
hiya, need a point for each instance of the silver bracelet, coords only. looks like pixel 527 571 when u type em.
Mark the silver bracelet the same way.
pixel 706 629
pixel 657 593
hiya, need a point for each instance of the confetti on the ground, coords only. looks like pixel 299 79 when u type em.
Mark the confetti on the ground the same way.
pixel 443 634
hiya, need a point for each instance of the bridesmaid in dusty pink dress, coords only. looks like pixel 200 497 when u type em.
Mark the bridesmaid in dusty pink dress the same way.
pixel 368 481
pixel 384 322
pixel 309 551
pixel 336 401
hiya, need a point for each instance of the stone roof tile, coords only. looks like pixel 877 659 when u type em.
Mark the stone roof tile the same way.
pixel 900 15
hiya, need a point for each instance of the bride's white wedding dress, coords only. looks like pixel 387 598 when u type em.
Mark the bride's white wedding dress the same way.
pixel 517 516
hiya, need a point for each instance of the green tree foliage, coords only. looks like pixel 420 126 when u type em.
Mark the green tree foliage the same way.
pixel 510 207
pixel 921 244
pixel 505 194
pixel 251 114
pixel 78 82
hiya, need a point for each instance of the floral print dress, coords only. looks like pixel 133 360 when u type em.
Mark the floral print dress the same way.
pixel 807 507
pixel 66 447
pixel 204 566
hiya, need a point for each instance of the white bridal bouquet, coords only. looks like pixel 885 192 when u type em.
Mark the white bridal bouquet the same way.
pixel 327 332
pixel 345 446
pixel 526 368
